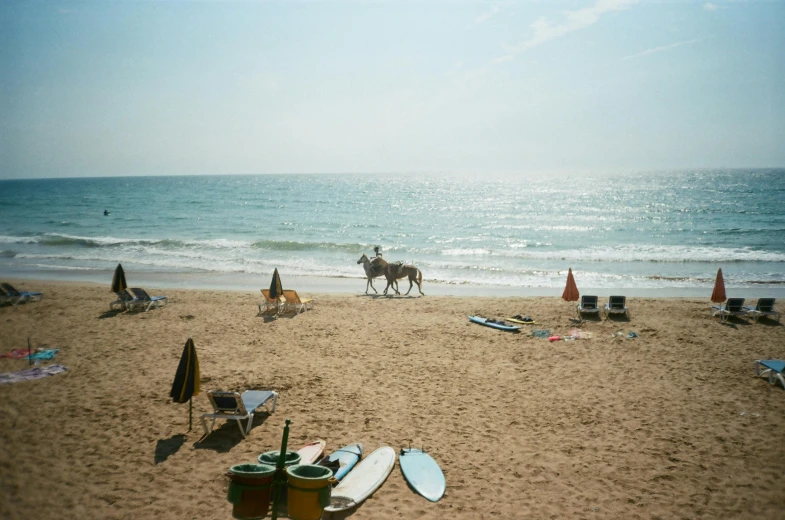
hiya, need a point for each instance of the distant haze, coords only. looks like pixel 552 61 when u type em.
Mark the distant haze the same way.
pixel 92 88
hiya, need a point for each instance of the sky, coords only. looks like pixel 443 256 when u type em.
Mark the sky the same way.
pixel 178 87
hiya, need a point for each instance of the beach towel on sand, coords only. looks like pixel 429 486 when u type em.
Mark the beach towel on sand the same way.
pixel 31 373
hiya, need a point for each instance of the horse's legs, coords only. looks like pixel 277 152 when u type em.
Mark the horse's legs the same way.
pixel 370 282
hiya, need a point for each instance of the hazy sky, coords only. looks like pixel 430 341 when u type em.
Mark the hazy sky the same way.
pixel 208 87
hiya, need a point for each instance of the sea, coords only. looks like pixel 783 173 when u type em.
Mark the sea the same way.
pixel 655 233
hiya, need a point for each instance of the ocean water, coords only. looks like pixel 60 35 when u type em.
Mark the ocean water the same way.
pixel 637 230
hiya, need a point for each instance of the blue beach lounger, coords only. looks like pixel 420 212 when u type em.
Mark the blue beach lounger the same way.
pixel 773 368
pixel 231 405
pixel 616 305
pixel 144 301
pixel 733 307
pixel 588 305
pixel 764 308
pixel 15 297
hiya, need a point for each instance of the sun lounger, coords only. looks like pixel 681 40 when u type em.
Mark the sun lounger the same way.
pixel 588 305
pixel 773 368
pixel 733 307
pixel 764 308
pixel 122 301
pixel 292 302
pixel 14 297
pixel 270 303
pixel 616 305
pixel 232 405
pixel 144 301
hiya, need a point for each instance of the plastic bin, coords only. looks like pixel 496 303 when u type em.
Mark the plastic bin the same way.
pixel 249 490
pixel 309 491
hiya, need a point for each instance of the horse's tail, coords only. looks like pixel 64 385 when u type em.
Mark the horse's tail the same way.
pixel 419 278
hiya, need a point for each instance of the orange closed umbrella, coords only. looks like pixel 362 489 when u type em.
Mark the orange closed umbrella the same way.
pixel 570 293
pixel 718 294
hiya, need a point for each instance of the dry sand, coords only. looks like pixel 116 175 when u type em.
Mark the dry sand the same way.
pixel 673 424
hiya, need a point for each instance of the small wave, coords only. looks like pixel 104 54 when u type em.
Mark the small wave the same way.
pixel 7 254
pixel 291 245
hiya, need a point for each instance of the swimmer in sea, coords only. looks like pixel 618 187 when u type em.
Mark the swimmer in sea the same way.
pixel 106 212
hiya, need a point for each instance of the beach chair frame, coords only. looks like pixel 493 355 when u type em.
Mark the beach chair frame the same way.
pixel 144 301
pixel 588 305
pixel 772 368
pixel 293 302
pixel 232 405
pixel 733 307
pixel 616 305
pixel 763 309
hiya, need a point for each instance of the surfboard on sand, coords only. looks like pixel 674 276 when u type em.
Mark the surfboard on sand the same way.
pixel 422 473
pixel 493 324
pixel 366 477
pixel 344 458
pixel 310 453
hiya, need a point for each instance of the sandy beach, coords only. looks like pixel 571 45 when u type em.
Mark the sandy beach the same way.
pixel 671 424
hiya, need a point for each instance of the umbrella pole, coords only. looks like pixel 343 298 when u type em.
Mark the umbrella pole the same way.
pixel 279 475
pixel 190 412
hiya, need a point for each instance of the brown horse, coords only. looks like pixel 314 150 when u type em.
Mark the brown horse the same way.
pixel 397 270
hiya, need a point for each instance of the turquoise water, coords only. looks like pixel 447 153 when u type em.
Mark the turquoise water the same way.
pixel 638 230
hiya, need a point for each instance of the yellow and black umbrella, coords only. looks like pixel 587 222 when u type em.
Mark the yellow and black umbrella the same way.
pixel 187 379
pixel 118 280
pixel 276 291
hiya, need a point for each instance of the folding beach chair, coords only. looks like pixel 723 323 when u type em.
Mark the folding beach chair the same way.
pixel 294 303
pixel 764 308
pixel 733 307
pixel 144 301
pixel 231 405
pixel 773 368
pixel 616 305
pixel 588 305
pixel 15 297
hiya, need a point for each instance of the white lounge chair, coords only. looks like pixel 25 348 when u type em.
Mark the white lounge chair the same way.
pixel 144 301
pixel 122 301
pixel 733 307
pixel 616 305
pixel 773 368
pixel 764 308
pixel 15 297
pixel 292 302
pixel 231 405
pixel 588 305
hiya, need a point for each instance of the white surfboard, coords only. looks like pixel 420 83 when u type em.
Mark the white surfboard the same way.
pixel 366 477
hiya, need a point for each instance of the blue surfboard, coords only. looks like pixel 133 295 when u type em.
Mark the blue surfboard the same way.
pixel 423 473
pixel 500 326
pixel 345 457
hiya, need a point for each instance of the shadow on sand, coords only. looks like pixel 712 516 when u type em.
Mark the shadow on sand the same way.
pixel 165 448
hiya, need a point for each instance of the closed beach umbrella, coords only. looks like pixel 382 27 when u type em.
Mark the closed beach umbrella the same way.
pixel 570 293
pixel 718 294
pixel 118 280
pixel 186 379
pixel 275 286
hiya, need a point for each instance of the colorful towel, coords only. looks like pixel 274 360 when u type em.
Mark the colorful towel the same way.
pixel 16 354
pixel 31 373
pixel 44 355
pixel 541 333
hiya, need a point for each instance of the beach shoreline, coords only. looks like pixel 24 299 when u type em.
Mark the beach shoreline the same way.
pixel 240 282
